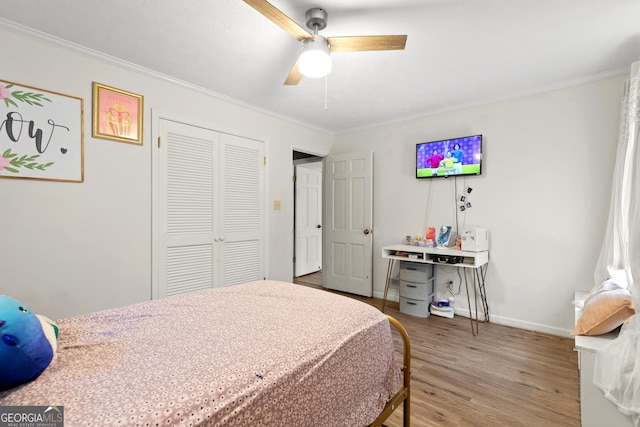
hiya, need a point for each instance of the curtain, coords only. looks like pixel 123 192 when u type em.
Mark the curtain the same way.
pixel 617 369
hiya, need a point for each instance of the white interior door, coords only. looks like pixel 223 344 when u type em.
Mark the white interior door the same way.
pixel 308 220
pixel 348 219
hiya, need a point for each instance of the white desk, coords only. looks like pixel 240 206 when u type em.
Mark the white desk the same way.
pixel 477 261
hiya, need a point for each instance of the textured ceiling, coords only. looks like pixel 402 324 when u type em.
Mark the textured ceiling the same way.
pixel 458 52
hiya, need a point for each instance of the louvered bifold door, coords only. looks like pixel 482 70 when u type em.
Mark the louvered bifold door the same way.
pixel 242 195
pixel 188 209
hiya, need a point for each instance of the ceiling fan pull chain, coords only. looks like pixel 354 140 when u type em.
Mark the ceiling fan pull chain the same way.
pixel 326 90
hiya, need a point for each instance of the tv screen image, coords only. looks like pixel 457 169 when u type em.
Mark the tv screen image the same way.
pixel 449 157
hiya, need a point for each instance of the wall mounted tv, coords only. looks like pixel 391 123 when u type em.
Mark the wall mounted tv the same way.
pixel 449 157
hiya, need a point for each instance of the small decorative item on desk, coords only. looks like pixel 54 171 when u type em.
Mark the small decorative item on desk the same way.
pixel 430 234
pixel 429 244
pixel 458 245
pixel 407 240
pixel 445 236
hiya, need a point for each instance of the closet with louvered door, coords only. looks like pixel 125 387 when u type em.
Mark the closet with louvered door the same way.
pixel 210 209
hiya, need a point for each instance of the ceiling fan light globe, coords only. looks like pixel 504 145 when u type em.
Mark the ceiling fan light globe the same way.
pixel 315 60
pixel 315 64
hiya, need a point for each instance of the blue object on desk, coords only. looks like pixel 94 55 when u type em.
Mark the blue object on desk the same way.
pixel 444 236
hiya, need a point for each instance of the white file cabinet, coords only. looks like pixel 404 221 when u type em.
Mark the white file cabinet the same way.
pixel 417 288
pixel 595 409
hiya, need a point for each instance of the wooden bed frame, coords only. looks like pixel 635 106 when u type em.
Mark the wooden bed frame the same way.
pixel 404 393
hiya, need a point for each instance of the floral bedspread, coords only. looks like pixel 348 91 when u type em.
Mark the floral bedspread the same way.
pixel 262 353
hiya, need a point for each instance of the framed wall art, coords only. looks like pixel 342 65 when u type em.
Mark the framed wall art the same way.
pixel 41 134
pixel 117 114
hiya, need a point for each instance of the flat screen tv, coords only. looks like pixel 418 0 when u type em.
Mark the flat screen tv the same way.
pixel 449 157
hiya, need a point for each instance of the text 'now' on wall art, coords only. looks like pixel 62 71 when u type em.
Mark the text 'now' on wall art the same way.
pixel 41 134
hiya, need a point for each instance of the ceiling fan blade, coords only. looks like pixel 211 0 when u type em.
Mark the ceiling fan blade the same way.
pixel 363 43
pixel 294 76
pixel 279 18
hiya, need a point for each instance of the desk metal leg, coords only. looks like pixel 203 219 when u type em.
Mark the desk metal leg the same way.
pixel 478 279
pixel 474 330
pixel 480 275
pixel 386 285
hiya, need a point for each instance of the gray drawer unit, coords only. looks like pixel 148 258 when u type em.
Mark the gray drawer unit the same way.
pixel 414 307
pixel 414 290
pixel 417 288
pixel 415 272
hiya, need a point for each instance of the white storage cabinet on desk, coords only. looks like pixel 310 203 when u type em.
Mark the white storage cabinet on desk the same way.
pixel 417 288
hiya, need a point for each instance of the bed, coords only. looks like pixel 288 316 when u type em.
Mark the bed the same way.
pixel 259 353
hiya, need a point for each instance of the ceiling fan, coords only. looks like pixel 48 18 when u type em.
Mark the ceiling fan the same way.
pixel 316 47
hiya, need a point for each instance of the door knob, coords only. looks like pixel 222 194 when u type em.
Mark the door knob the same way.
pixel 318 226
pixel 367 231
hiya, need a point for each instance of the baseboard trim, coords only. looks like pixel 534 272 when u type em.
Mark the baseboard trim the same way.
pixel 500 320
pixel 521 324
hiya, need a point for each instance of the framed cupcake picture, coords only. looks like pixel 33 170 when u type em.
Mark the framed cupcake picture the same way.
pixel 117 114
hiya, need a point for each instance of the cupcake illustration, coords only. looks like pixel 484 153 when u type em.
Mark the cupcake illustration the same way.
pixel 119 120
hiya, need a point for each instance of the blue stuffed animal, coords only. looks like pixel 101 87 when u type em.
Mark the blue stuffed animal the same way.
pixel 28 343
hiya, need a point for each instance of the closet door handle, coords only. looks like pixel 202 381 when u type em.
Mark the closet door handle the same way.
pixel 222 239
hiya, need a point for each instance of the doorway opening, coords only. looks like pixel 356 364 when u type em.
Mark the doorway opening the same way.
pixel 307 218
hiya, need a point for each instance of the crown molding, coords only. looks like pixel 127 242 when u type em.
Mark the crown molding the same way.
pixel 112 60
pixel 619 72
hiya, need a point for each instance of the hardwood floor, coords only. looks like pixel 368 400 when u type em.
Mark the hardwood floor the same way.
pixel 503 377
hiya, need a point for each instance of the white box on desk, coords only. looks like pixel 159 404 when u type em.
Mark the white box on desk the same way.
pixel 475 239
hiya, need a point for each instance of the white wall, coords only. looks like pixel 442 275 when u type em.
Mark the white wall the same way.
pixel 70 248
pixel 543 195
